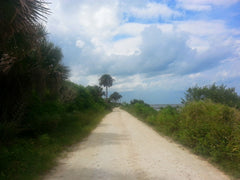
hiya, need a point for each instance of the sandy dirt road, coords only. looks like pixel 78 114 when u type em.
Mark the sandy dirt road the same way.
pixel 124 148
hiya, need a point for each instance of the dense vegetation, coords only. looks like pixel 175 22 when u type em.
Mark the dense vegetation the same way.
pixel 208 128
pixel 140 109
pixel 41 113
pixel 218 94
pixel 49 126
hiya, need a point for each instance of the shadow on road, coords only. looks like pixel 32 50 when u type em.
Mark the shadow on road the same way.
pixel 105 139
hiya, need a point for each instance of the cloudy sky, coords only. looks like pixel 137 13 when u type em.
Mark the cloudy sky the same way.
pixel 154 49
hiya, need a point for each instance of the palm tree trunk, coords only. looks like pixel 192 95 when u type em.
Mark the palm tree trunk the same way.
pixel 106 92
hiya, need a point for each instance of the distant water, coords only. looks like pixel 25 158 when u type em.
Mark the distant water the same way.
pixel 159 106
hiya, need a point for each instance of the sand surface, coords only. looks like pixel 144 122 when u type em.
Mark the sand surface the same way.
pixel 124 148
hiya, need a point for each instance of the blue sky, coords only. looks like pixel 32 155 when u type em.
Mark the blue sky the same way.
pixel 154 49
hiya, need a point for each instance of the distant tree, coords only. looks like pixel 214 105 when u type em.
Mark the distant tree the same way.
pixel 115 97
pixel 106 80
pixel 96 92
pixel 138 101
pixel 135 101
pixel 218 94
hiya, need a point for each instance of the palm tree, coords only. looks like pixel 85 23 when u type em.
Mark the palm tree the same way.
pixel 20 37
pixel 115 97
pixel 19 32
pixel 106 80
pixel 40 71
pixel 20 16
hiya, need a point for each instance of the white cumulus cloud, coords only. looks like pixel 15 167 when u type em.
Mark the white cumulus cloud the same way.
pixel 145 44
pixel 80 43
pixel 204 5
pixel 154 10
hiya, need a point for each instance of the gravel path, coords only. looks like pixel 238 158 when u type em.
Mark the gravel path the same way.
pixel 124 148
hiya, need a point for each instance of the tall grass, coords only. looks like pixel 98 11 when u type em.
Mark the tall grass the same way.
pixel 209 129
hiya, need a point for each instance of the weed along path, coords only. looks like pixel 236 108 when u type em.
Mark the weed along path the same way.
pixel 124 148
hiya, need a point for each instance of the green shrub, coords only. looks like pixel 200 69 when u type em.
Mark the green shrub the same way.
pixel 140 109
pixel 208 127
pixel 168 120
pixel 212 130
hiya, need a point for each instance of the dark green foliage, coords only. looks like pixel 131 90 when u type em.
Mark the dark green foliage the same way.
pixel 28 148
pixel 68 92
pixel 28 62
pixel 134 101
pixel 82 100
pixel 20 30
pixel 40 72
pixel 42 116
pixel 85 98
pixel 96 92
pixel 44 113
pixel 115 97
pixel 218 94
